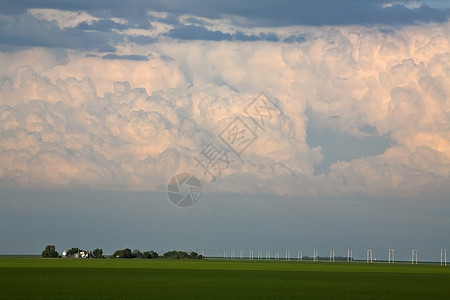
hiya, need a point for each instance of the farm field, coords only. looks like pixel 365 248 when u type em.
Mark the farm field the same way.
pixel 36 278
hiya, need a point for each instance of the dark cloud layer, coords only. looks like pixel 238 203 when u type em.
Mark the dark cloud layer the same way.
pixel 129 57
pixel 255 13
pixel 192 32
pixel 19 29
pixel 26 31
pixel 325 12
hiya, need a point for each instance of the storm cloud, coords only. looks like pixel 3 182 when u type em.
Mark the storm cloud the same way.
pixel 327 121
pixel 137 118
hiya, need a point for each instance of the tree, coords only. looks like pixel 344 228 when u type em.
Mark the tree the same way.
pixel 98 253
pixel 136 254
pixel 149 254
pixel 73 251
pixel 125 253
pixel 171 254
pixel 176 254
pixel 49 251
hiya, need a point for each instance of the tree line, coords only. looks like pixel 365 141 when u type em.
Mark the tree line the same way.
pixel 50 252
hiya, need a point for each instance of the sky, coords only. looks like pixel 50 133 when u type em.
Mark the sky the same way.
pixel 308 124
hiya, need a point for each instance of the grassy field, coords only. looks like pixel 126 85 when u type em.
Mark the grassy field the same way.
pixel 35 278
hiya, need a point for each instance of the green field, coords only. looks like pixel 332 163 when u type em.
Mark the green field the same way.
pixel 35 278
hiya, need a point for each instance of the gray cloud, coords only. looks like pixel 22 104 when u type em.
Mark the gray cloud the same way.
pixel 102 27
pixel 257 13
pixel 126 57
pixel 192 32
pixel 25 31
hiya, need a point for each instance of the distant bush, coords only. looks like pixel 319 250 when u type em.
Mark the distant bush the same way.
pixel 182 255
pixel 97 253
pixel 150 254
pixel 49 251
pixel 125 253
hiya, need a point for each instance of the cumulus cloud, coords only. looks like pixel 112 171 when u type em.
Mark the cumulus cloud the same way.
pixel 64 19
pixel 133 118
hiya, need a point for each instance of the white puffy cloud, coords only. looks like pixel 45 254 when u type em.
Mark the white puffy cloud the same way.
pixel 63 19
pixel 157 29
pixel 127 124
pixel 398 171
pixel 154 74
